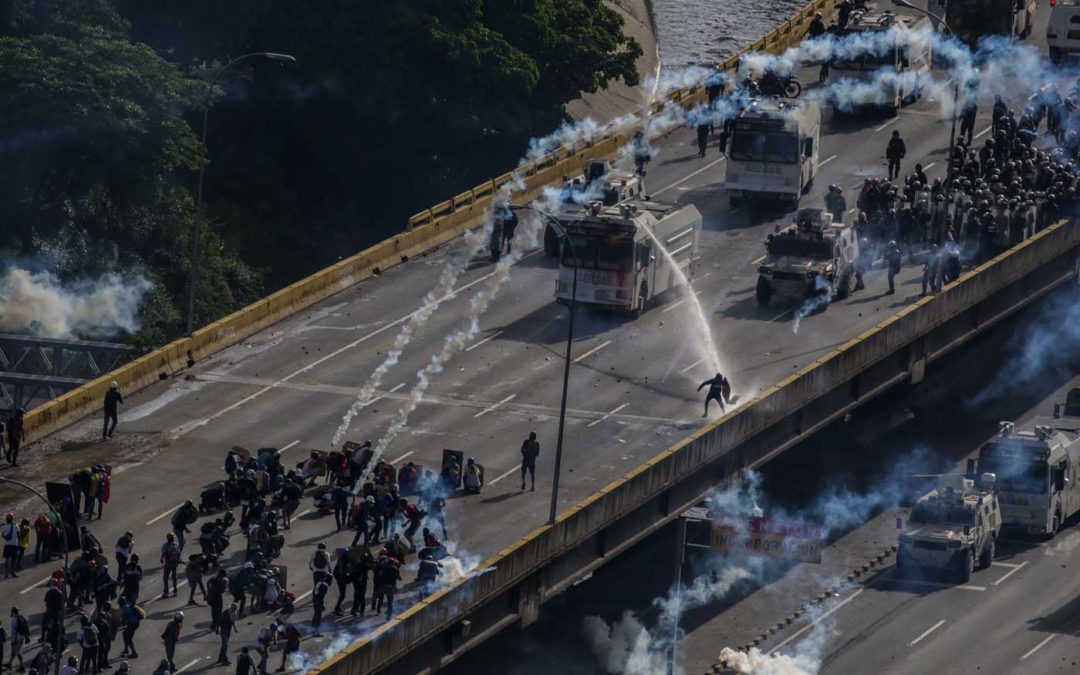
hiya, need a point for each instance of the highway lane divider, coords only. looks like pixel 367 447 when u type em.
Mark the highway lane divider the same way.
pixel 424 232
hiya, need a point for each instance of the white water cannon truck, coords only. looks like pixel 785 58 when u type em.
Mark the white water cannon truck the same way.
pixel 628 254
pixel 773 151
pixel 599 181
pixel 883 80
pixel 1038 469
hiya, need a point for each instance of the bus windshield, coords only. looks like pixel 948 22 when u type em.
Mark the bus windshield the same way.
pixel 756 145
pixel 600 254
pixel 1018 475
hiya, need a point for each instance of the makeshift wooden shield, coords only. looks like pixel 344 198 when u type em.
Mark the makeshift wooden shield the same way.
pixel 56 493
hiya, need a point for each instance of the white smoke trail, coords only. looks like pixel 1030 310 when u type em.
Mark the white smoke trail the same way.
pixel 442 291
pixel 40 304
pixel 528 237
pixel 628 648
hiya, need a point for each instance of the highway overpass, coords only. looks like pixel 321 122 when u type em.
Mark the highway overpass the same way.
pixel 637 451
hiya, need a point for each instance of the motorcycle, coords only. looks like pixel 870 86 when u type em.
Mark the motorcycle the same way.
pixel 777 85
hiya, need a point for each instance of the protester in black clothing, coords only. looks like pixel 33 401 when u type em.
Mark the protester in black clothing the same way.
pixel 15 437
pixel 894 152
pixel 719 391
pixel 112 399
pixel 530 450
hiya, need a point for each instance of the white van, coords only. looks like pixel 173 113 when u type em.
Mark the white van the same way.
pixel 1063 31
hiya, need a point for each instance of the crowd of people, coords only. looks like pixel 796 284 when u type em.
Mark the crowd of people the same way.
pixel 109 602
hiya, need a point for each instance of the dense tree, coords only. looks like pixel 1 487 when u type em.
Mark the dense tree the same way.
pixel 391 106
pixel 91 142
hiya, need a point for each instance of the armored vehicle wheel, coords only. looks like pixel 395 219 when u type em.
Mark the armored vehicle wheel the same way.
pixel 644 293
pixel 987 557
pixel 793 89
pixel 843 289
pixel 1055 526
pixel 965 566
pixel 764 292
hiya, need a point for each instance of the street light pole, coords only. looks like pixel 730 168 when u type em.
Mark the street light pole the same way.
pixel 64 547
pixel 193 282
pixel 956 103
pixel 567 240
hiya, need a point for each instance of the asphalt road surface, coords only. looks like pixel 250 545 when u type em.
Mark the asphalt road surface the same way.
pixel 632 385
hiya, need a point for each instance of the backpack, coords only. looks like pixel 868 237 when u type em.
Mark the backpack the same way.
pixel 322 560
pixel 140 611
pixel 172 554
pixel 90 636
pixel 22 626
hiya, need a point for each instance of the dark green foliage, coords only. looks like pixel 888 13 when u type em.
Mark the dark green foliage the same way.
pixel 392 106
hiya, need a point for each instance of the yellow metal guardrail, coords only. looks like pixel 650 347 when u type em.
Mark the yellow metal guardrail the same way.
pixel 425 230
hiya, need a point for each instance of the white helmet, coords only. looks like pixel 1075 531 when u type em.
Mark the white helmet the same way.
pixel 179 616
pixel 113 385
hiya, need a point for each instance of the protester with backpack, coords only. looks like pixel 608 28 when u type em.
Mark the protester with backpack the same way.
pixel 170 560
pixel 106 630
pixel 131 615
pixel 88 640
pixel 184 516
pixel 20 635
pixel 292 644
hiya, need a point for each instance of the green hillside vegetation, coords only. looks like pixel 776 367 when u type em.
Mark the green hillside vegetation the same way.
pixel 390 107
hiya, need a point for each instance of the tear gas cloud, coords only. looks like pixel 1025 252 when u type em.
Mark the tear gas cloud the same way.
pixel 629 647
pixel 1050 345
pixel 527 237
pixel 441 292
pixel 41 304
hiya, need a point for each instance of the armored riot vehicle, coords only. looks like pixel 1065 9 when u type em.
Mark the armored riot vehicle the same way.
pixel 952 528
pixel 598 182
pixel 812 256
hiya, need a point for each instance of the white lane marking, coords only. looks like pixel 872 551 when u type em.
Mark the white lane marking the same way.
pixel 929 166
pixel 379 398
pixel 302 513
pixel 493 406
pixel 301 597
pixel 36 584
pixel 606 415
pixel 180 670
pixel 762 258
pixel 927 632
pixel 157 518
pixel 1008 565
pixel 705 275
pixel 813 623
pixel 1038 646
pixel 673 306
pixel 691 366
pixel 484 341
pixel 892 121
pixel 689 176
pixel 592 351
pixel 184 429
pixel 783 313
pixel 1010 572
pixel 826 161
pixel 851 210
pixel 395 461
pixel 982 133
pixel 496 480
